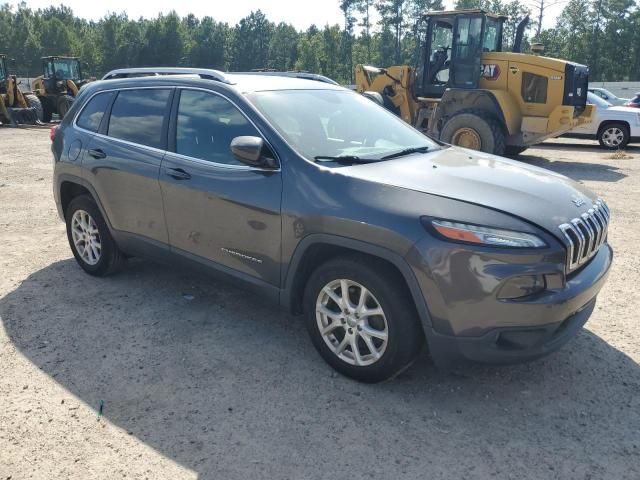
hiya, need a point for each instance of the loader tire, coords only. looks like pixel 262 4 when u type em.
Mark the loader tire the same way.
pixel 47 109
pixel 35 103
pixel 64 104
pixel 476 130
pixel 513 151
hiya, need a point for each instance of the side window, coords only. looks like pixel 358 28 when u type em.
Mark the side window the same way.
pixel 138 115
pixel 534 88
pixel 93 112
pixel 206 124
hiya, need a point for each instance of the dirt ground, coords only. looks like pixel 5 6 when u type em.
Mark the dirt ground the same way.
pixel 125 377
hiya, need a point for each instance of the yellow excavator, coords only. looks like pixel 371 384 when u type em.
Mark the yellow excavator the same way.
pixel 466 91
pixel 59 84
pixel 15 106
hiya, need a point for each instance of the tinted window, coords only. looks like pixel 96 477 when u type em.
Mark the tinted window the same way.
pixel 206 125
pixel 93 112
pixel 137 116
pixel 534 88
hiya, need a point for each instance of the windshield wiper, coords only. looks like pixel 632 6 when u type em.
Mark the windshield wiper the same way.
pixel 344 159
pixel 406 151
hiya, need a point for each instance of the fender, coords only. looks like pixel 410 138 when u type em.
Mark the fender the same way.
pixel 287 293
pixel 455 99
pixel 67 177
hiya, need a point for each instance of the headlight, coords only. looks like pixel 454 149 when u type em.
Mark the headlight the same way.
pixel 476 234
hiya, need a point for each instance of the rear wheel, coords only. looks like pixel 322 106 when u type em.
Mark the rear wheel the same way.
pixel 361 319
pixel 34 102
pixel 474 130
pixel 613 136
pixel 89 238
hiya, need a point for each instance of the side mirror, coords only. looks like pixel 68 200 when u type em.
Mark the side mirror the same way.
pixel 250 151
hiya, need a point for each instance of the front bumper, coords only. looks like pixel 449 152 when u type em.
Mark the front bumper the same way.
pixel 488 330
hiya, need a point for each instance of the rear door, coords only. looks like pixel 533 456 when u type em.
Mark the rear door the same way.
pixel 467 50
pixel 122 161
pixel 216 208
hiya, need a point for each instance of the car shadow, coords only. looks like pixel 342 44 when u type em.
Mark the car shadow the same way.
pixel 229 386
pixel 579 171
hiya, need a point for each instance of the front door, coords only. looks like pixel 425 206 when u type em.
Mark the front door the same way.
pixel 467 50
pixel 217 208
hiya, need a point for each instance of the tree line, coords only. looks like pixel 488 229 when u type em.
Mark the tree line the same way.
pixel 604 34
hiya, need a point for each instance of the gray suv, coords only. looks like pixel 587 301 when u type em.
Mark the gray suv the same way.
pixel 336 209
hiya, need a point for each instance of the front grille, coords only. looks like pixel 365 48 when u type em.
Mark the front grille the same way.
pixel 585 234
pixel 576 82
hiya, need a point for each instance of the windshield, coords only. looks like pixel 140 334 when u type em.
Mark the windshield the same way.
pixel 336 123
pixel 596 100
pixel 66 69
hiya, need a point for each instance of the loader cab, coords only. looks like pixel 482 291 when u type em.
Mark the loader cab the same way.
pixel 451 45
pixel 57 70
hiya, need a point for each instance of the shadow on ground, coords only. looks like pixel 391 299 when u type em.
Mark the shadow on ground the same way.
pixel 230 387
pixel 604 168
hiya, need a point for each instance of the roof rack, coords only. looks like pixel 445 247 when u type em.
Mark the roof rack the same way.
pixel 205 73
pixel 293 74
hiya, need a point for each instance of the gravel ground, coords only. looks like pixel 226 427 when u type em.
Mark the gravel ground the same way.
pixel 126 377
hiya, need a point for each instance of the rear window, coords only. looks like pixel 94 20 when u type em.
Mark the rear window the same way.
pixel 93 111
pixel 138 115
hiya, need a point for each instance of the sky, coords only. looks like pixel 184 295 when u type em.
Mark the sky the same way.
pixel 300 13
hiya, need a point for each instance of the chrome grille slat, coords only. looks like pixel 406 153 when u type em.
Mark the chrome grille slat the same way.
pixel 585 234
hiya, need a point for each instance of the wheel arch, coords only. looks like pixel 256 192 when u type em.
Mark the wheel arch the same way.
pixel 316 249
pixel 606 123
pixel 71 186
pixel 457 100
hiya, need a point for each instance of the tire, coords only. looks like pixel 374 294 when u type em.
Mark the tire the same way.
pixel 613 136
pixel 35 103
pixel 109 258
pixel 513 151
pixel 47 109
pixel 399 320
pixel 64 103
pixel 471 128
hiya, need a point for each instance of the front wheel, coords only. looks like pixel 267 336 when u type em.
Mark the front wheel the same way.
pixel 35 103
pixel 613 136
pixel 361 319
pixel 475 130
pixel 64 104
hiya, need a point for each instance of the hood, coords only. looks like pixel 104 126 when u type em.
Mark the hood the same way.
pixel 536 195
pixel 633 110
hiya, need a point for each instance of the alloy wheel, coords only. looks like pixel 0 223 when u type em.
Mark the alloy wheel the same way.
pixel 352 322
pixel 86 237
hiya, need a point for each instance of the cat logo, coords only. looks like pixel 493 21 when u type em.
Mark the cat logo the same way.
pixel 489 71
pixel 514 69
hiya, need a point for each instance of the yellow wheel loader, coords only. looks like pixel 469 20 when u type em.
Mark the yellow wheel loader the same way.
pixel 59 84
pixel 16 107
pixel 466 91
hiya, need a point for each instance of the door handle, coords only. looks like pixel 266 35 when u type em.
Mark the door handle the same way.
pixel 177 173
pixel 97 153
